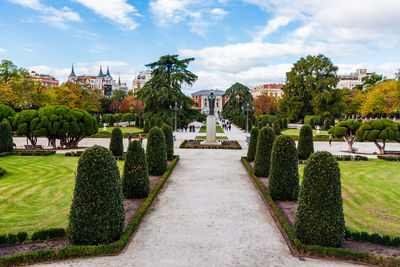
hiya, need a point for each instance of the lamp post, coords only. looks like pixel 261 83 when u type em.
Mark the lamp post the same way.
pixel 175 108
pixel 25 105
pixel 247 109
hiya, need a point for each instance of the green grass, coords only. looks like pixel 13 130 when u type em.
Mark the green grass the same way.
pixel 218 129
pixel 123 129
pixel 36 192
pixel 203 137
pixel 371 195
pixel 297 132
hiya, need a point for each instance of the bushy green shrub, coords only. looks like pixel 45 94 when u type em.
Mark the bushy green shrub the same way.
pixel 251 152
pixel 97 211
pixel 135 180
pixel 146 128
pixel 158 122
pixel 319 217
pixel 283 183
pixel 265 140
pixel 285 123
pixel 2 171
pixel 6 112
pixel 305 146
pixel 156 152
pixel 6 138
pixel 116 143
pixel 169 141
pixel 277 127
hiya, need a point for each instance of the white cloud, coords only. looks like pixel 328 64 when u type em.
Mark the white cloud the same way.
pixel 50 15
pixel 272 26
pixel 2 50
pixel 119 11
pixel 99 48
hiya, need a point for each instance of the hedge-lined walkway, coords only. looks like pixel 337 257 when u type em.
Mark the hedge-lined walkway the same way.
pixel 210 214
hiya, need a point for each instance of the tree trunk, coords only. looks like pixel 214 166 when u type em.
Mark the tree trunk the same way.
pixel 350 141
pixel 380 147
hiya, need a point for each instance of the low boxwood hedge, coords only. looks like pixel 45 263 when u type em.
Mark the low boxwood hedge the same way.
pixel 91 251
pixel 374 238
pixel 350 157
pixel 389 158
pixel 29 153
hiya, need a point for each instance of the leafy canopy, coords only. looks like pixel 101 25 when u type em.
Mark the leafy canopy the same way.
pixel 239 96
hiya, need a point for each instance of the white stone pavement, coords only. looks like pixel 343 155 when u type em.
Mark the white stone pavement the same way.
pixel 209 214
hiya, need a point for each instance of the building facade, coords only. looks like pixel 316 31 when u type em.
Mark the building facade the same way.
pixel 202 103
pixel 141 79
pixel 353 79
pixel 271 90
pixel 45 79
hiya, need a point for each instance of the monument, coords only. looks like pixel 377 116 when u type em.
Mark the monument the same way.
pixel 211 121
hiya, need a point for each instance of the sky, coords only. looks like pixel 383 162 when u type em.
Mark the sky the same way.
pixel 248 41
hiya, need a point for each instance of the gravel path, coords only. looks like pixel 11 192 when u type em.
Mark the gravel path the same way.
pixel 209 214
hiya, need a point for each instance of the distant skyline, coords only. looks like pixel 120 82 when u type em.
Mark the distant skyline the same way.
pixel 246 41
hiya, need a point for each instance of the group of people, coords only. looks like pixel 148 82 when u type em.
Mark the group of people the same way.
pixel 226 125
pixel 140 138
pixel 192 128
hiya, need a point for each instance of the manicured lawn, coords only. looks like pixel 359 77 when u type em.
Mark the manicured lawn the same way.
pixel 297 132
pixel 371 195
pixel 201 137
pixel 123 129
pixel 218 129
pixel 36 192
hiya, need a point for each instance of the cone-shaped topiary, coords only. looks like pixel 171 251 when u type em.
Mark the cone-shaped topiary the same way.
pixel 283 183
pixel 305 146
pixel 97 212
pixel 251 152
pixel 277 127
pixel 135 181
pixel 319 217
pixel 265 140
pixel 146 128
pixel 6 138
pixel 169 141
pixel 156 152
pixel 116 145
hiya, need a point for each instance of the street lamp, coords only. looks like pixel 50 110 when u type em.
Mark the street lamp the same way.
pixel 247 109
pixel 26 105
pixel 175 108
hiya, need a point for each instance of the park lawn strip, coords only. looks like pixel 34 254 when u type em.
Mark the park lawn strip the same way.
pixel 36 193
pixel 218 129
pixel 297 132
pixel 203 137
pixel 127 130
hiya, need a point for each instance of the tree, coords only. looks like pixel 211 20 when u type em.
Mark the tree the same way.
pixel 378 130
pixel 264 104
pixel 251 152
pixel 352 101
pixel 131 105
pixel 6 138
pixel 265 140
pixel 305 146
pixel 164 88
pixel 8 71
pixel 97 212
pixel 6 112
pixel 239 96
pixel 25 123
pixel 283 183
pixel 116 145
pixel 346 130
pixel 384 98
pixel 118 94
pixel 135 180
pixel 319 218
pixel 169 140
pixel 7 96
pixel 128 117
pixel 156 152
pixel 310 88
pixel 369 81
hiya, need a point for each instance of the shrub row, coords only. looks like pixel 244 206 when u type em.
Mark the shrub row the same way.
pixel 350 157
pixel 2 171
pixel 86 251
pixel 389 158
pixel 373 238
pixel 38 235
pixel 29 153
pixel 108 135
pixel 74 154
pixel 312 250
pixel 13 238
pixel 184 143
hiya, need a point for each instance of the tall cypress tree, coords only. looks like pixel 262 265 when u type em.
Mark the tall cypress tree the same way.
pixel 6 138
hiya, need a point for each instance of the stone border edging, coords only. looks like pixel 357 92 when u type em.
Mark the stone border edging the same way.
pixel 92 250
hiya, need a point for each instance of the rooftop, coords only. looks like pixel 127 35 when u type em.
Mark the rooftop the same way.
pixel 207 92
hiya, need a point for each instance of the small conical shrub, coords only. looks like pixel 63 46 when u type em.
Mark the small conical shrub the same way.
pixel 169 141
pixel 156 152
pixel 6 138
pixel 141 122
pixel 319 217
pixel 116 145
pixel 277 127
pixel 135 180
pixel 97 212
pixel 152 123
pixel 137 121
pixel 305 146
pixel 112 120
pixel 146 128
pixel 265 140
pixel 158 122
pixel 283 183
pixel 251 152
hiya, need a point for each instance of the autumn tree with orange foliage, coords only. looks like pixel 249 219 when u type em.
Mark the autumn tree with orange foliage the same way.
pixel 130 104
pixel 384 98
pixel 264 104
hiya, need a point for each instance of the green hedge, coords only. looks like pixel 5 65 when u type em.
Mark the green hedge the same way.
pixel 265 140
pixel 373 238
pixel 6 137
pixel 91 251
pixel 350 157
pixel 48 234
pixel 305 147
pixel 389 158
pixel 169 140
pixel 183 146
pixel 2 172
pixel 74 153
pixel 116 143
pixel 156 152
pixel 251 152
pixel 13 238
pixel 29 153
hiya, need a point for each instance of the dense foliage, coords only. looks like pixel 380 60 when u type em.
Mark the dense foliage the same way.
pixel 156 152
pixel 251 152
pixel 319 217
pixel 6 138
pixel 135 180
pixel 277 127
pixel 305 146
pixel 6 112
pixel 97 211
pixel 283 183
pixel 169 141
pixel 346 130
pixel 239 97
pixel 265 140
pixel 116 143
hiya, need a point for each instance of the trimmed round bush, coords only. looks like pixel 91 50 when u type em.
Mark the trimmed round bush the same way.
pixel 135 180
pixel 319 217
pixel 169 141
pixel 97 212
pixel 283 183
pixel 116 145
pixel 156 152
pixel 6 139
pixel 146 128
pixel 277 127
pixel 305 146
pixel 251 152
pixel 265 140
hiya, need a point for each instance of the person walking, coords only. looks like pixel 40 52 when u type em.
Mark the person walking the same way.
pixel 130 138
pixel 330 140
pixel 140 139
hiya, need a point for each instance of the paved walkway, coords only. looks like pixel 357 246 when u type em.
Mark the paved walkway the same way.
pixel 209 214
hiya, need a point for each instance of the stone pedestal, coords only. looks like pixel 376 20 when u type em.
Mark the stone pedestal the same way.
pixel 211 137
